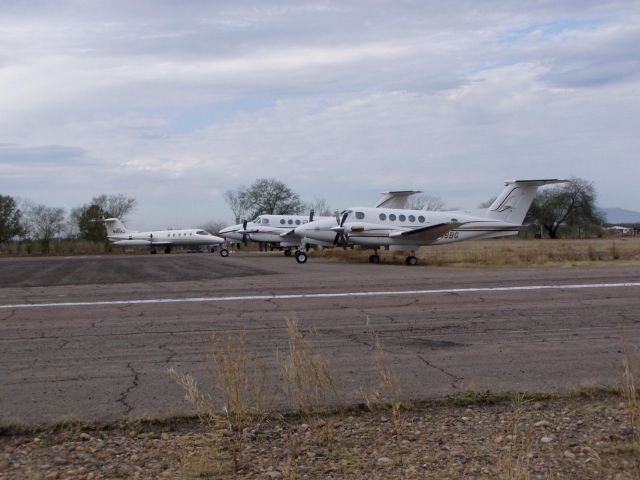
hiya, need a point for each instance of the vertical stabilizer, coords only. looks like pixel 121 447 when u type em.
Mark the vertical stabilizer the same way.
pixel 513 203
pixel 397 199
pixel 115 228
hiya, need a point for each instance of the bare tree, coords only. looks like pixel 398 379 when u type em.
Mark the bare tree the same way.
pixel 425 202
pixel 118 205
pixel 44 223
pixel 213 227
pixel 237 201
pixel 487 203
pixel 573 204
pixel 319 206
pixel 269 196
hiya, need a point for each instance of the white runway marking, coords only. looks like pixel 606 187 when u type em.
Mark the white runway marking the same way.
pixel 318 295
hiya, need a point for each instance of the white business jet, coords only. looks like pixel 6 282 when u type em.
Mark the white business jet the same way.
pixel 118 234
pixel 408 230
pixel 280 229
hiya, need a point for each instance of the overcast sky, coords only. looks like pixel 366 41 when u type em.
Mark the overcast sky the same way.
pixel 174 102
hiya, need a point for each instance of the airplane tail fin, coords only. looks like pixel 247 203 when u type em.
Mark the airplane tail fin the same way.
pixel 513 203
pixel 396 199
pixel 115 227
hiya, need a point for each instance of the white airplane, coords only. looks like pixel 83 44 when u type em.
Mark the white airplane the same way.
pixel 274 229
pixel 118 234
pixel 408 230
pixel 280 229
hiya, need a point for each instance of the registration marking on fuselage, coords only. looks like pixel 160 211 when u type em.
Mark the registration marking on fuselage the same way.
pixel 306 296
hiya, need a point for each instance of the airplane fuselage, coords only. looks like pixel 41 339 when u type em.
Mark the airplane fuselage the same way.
pixel 381 227
pixel 166 237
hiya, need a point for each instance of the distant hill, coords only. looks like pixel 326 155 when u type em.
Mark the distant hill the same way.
pixel 620 215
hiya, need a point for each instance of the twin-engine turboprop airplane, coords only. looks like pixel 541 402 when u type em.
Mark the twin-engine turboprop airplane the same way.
pixel 118 234
pixel 408 230
pixel 274 229
pixel 280 229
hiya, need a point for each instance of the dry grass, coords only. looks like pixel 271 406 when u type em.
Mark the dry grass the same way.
pixel 632 404
pixel 307 377
pixel 387 391
pixel 515 463
pixel 510 252
pixel 241 379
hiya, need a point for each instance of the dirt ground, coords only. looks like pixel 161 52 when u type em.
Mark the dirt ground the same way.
pixel 581 435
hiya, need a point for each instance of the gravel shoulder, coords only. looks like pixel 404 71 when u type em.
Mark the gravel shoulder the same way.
pixel 572 436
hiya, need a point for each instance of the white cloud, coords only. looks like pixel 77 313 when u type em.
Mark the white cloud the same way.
pixel 339 99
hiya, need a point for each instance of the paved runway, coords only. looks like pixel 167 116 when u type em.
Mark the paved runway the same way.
pixel 106 328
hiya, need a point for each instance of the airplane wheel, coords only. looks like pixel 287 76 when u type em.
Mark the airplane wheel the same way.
pixel 411 260
pixel 153 251
pixel 374 258
pixel 167 250
pixel 301 257
pixel 224 252
pixel 287 253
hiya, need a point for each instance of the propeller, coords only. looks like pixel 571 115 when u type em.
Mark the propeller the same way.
pixel 341 238
pixel 311 213
pixel 245 237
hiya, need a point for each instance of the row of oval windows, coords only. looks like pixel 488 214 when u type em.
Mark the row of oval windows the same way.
pixel 283 221
pixel 402 218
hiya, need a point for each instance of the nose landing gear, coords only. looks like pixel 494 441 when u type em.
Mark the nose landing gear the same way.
pixel 301 257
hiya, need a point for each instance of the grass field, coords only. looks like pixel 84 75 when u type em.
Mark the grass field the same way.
pixel 511 252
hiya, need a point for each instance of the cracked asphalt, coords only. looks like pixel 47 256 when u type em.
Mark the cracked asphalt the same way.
pixel 100 362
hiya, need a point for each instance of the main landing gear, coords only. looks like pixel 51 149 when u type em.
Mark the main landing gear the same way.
pixel 167 249
pixel 375 258
pixel 287 252
pixel 411 259
pixel 224 252
pixel 153 251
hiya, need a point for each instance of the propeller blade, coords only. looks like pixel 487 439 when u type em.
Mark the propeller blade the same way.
pixel 311 215
pixel 344 217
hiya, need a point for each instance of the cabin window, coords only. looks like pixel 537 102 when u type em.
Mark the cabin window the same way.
pixel 290 222
pixel 402 218
pixel 383 217
pixel 392 217
pixel 421 219
pixel 360 215
pixel 282 221
pixel 297 222
pixel 454 220
pixel 412 218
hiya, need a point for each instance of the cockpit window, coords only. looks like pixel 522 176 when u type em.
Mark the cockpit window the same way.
pixel 360 215
pixel 265 221
pixel 202 232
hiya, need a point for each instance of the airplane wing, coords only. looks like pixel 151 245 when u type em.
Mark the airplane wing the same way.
pixel 288 232
pixel 426 234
